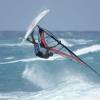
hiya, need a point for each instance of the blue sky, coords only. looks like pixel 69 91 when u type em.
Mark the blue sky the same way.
pixel 64 15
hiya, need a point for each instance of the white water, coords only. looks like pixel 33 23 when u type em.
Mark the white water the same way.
pixel 68 90
pixel 82 51
pixel 90 49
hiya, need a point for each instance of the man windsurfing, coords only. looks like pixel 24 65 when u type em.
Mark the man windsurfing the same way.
pixel 37 47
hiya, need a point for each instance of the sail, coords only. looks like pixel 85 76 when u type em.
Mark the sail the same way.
pixel 50 41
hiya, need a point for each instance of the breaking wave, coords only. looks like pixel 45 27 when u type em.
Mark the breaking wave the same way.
pixel 72 90
pixel 65 42
pixel 85 50
pixel 32 59
pixel 15 44
pixel 90 49
pixel 79 41
pixel 68 42
pixel 9 58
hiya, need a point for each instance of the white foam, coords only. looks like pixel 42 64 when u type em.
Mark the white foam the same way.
pixel 29 44
pixel 9 58
pixel 15 44
pixel 36 75
pixel 73 90
pixel 93 48
pixel 80 41
pixel 33 59
pixel 90 49
pixel 65 42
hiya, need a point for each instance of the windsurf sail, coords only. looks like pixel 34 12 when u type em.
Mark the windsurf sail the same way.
pixel 35 23
pixel 51 42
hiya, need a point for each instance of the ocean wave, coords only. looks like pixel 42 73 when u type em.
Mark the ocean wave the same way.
pixel 15 44
pixel 86 50
pixel 32 71
pixel 79 41
pixel 29 44
pixel 75 90
pixel 68 43
pixel 90 49
pixel 9 58
pixel 65 42
pixel 32 59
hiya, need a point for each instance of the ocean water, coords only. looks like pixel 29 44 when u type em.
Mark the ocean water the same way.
pixel 23 76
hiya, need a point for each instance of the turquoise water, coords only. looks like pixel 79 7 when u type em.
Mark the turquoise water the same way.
pixel 23 76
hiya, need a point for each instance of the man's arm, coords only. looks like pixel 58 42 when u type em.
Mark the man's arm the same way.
pixel 31 39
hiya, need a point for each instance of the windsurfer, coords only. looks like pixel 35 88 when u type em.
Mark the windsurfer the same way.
pixel 37 50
